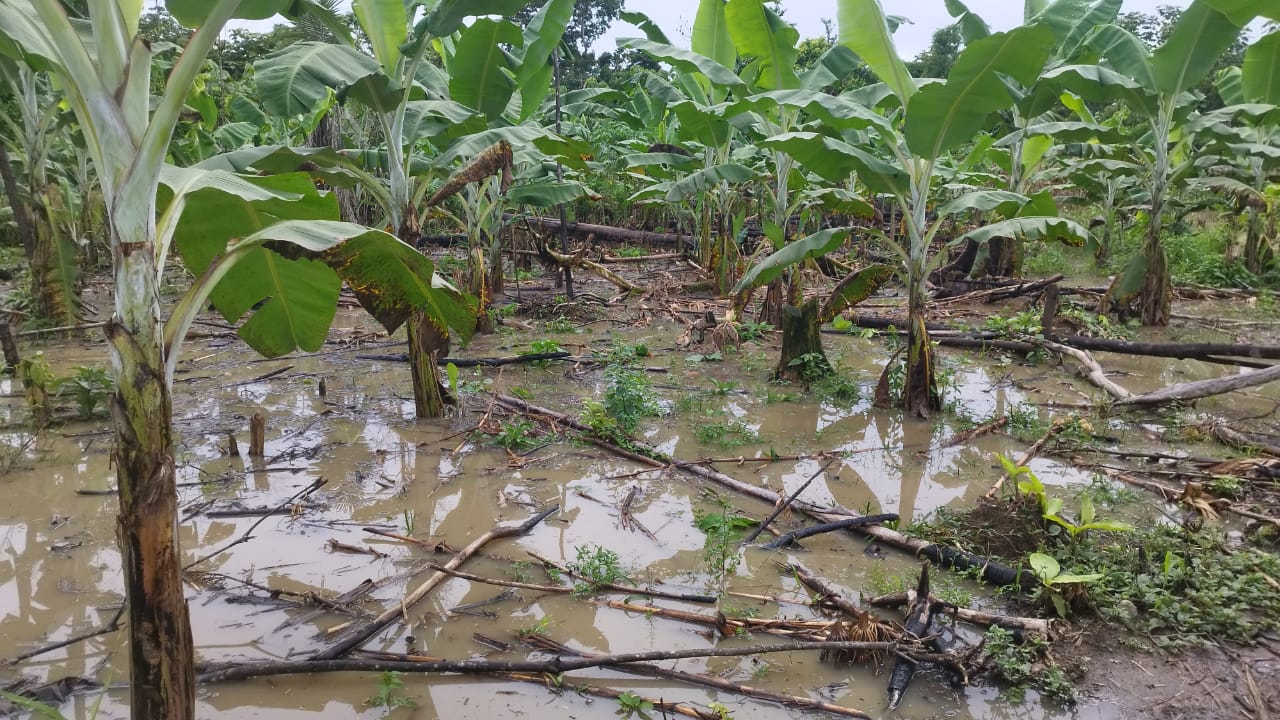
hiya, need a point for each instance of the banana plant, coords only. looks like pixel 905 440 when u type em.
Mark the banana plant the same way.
pixel 934 120
pixel 1153 87
pixel 1032 127
pixel 412 100
pixel 42 201
pixel 1242 142
pixel 103 68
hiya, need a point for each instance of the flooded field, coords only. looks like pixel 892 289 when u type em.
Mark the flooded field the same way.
pixel 352 459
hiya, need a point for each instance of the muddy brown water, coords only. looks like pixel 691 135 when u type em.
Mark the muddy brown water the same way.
pixel 60 571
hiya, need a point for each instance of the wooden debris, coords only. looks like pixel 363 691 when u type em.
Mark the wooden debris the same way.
pixel 362 633
pixel 257 435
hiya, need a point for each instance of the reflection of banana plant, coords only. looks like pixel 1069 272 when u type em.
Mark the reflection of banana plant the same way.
pixel 232 232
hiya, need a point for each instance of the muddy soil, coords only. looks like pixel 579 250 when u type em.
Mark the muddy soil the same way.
pixel 443 484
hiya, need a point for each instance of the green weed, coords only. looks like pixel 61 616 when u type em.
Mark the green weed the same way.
pixel 1021 665
pixel 732 433
pixel 517 434
pixel 597 566
pixel 388 695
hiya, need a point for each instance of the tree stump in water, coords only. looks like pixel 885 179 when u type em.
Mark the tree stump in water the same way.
pixel 800 337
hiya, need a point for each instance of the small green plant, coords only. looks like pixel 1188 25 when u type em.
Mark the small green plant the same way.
pixel 722 388
pixel 726 434
pixel 1020 666
pixel 542 347
pixel 409 517
pixel 88 387
pixel 629 396
pixel 561 324
pixel 704 357
pixel 1056 587
pixel 722 712
pixel 1227 486
pixel 597 566
pixel 1025 423
pixel 753 332
pixel 538 628
pixel 517 434
pixel 631 251
pixel 1051 508
pixel 838 389
pixel 812 367
pixel 630 704
pixel 1024 323
pixel 388 695
pixel 723 532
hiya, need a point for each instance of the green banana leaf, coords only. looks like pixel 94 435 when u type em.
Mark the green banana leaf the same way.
pixel 864 30
pixel 1031 228
pixel 1199 37
pixel 1003 201
pixel 541 36
pixel 836 160
pixel 944 116
pixel 386 27
pixel 759 33
pixel 294 79
pixel 683 60
pixel 647 26
pixel 482 70
pixel 707 177
pixel 1260 74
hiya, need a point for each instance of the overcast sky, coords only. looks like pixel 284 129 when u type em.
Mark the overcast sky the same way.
pixel 675 17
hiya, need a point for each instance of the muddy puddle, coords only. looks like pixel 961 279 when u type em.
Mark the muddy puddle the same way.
pixel 381 469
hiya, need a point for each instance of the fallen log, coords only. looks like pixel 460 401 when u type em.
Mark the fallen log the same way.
pixel 613 234
pixel 1093 371
pixel 1238 439
pixel 475 362
pixel 1184 392
pixel 360 634
pixel 919 619
pixel 209 673
pixel 993 572
pixel 545 643
pixel 787 539
pixel 1210 352
pixel 1039 626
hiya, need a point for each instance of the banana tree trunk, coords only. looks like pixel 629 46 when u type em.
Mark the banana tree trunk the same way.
pixel 53 261
pixel 426 343
pixel 161 656
pixel 1157 286
pixel 920 384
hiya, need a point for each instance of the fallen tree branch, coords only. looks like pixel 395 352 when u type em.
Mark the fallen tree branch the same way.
pixel 613 234
pixel 1040 626
pixel 992 571
pixel 360 634
pixel 1238 439
pixel 545 643
pixel 845 524
pixel 786 503
pixel 977 432
pixel 233 672
pixel 664 706
pixel 1184 392
pixel 651 592
pixel 110 626
pixel 1093 370
pixel 826 594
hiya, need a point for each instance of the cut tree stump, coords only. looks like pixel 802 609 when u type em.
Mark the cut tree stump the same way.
pixel 800 336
